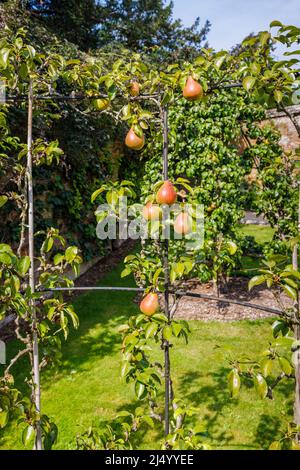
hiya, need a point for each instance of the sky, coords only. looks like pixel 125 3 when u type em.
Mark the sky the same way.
pixel 233 20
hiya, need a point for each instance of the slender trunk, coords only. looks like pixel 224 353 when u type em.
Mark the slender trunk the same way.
pixel 166 282
pixel 218 292
pixel 297 336
pixel 35 347
pixel 292 119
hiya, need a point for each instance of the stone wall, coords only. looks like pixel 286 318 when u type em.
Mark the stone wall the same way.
pixel 290 139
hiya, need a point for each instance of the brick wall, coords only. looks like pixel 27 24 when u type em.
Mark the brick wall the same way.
pixel 289 136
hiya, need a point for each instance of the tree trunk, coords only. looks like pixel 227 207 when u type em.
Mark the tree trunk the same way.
pixel 297 337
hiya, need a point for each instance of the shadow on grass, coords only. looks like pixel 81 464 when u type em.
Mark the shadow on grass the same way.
pixel 267 431
pixel 98 335
pixel 270 427
pixel 216 397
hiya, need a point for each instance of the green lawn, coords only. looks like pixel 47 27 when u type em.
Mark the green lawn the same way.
pixel 251 264
pixel 87 389
pixel 261 233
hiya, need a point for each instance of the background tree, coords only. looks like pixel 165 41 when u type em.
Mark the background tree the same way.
pixel 76 21
pixel 149 26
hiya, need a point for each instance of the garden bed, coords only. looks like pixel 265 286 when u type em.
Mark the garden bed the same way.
pixel 237 289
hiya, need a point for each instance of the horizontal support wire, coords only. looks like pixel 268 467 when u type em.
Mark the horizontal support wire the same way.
pixel 72 97
pixel 179 293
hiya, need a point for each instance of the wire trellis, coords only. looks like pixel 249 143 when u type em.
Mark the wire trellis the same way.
pixel 30 99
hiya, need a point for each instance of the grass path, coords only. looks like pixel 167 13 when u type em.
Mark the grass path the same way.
pixel 87 390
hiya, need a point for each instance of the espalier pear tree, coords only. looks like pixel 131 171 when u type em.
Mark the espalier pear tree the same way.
pixel 142 98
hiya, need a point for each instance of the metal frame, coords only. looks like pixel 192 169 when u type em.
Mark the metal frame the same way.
pixel 166 346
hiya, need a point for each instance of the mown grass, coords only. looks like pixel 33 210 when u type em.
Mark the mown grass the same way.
pixel 251 264
pixel 87 390
pixel 261 233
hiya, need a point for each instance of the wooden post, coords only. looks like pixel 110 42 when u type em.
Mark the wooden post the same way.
pixel 166 279
pixel 36 362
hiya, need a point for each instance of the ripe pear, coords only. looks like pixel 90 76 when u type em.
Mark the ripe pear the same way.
pixel 133 141
pixel 151 211
pixel 134 89
pixel 183 224
pixel 150 304
pixel 166 194
pixel 192 90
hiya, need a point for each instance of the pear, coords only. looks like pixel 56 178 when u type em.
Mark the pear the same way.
pixel 133 141
pixel 183 224
pixel 134 89
pixel 192 90
pixel 166 194
pixel 150 304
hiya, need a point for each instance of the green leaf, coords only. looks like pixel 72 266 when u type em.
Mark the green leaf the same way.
pixel 28 435
pixel 276 445
pixel 256 281
pixel 96 194
pixel 285 365
pixel 5 258
pixel 278 96
pixel 167 332
pixel 100 104
pixel 58 258
pixel 126 369
pixel 219 61
pixel 266 367
pixel 231 246
pixel 148 420
pixel 280 326
pixel 177 327
pixel 234 382
pixel 156 275
pixel 4 55
pixel 160 317
pixel 3 200
pixel 139 389
pixel 290 291
pixel 24 265
pixel 261 385
pixel 151 330
pixel 179 268
pixel 4 416
pixel 275 23
pixel 31 51
pixel 291 283
pixel 125 272
pixel 249 82
pixel 47 245
pixel 71 253
pixel 264 37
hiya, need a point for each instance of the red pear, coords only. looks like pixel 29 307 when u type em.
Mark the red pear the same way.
pixel 149 305
pixel 134 89
pixel 192 90
pixel 183 224
pixel 151 211
pixel 166 194
pixel 133 141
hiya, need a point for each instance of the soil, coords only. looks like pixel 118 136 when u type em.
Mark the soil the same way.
pixel 237 289
pixel 191 308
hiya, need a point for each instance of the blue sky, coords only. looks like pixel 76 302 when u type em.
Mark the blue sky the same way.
pixel 233 20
